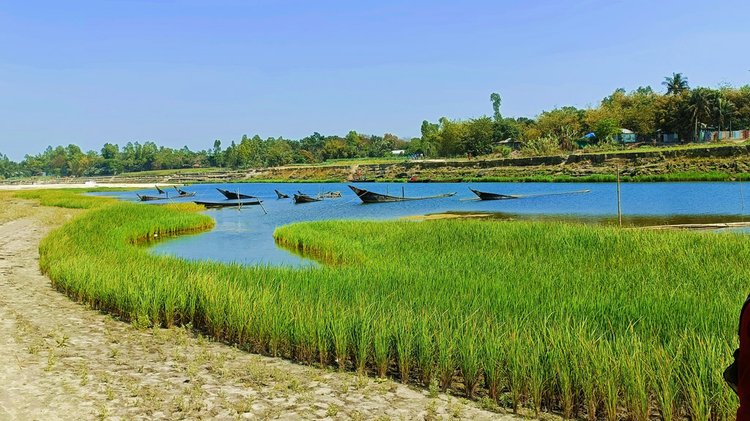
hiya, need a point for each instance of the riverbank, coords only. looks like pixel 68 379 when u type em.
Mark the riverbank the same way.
pixel 714 162
pixel 75 184
pixel 447 313
pixel 66 361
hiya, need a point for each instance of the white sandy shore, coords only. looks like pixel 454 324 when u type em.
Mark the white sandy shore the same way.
pixel 87 185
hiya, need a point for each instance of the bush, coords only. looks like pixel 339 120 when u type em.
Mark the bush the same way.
pixel 503 151
pixel 545 145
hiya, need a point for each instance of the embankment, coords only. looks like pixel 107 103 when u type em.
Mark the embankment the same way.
pixel 691 163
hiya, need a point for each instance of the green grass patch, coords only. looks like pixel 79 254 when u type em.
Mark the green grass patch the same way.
pixel 68 198
pixel 585 321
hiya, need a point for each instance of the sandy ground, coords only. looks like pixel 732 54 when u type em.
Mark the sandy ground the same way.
pixel 61 360
pixel 87 185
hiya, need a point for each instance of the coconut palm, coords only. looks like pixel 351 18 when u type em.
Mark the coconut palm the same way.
pixel 676 83
pixel 701 105
pixel 725 109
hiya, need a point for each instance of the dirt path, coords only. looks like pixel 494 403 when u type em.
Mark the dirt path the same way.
pixel 61 360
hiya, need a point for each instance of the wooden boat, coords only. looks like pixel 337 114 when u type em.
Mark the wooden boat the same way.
pixel 496 196
pixel 235 195
pixel 281 195
pixel 183 193
pixel 159 190
pixel 303 198
pixel 371 197
pixel 226 204
pixel 146 198
pixel 492 196
pixel 330 195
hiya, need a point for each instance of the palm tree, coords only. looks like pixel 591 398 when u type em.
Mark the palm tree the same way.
pixel 701 106
pixel 725 108
pixel 676 83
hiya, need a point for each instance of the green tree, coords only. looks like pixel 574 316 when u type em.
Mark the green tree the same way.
pixel 451 138
pixel 673 115
pixel 8 168
pixel 216 158
pixel 479 136
pixel 606 129
pixel 740 117
pixel 565 124
pixel 110 151
pixel 335 148
pixel 428 144
pixel 496 102
pixel 675 84
pixel 635 111
pixel 725 109
pixel 279 152
pixel 702 102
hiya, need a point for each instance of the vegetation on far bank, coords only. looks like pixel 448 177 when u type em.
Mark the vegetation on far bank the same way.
pixel 682 111
pixel 551 317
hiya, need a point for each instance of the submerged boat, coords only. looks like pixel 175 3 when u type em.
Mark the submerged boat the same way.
pixel 371 197
pixel 281 195
pixel 147 198
pixel 330 195
pixel 303 198
pixel 226 204
pixel 234 195
pixel 492 196
pixel 159 190
pixel 183 193
pixel 497 196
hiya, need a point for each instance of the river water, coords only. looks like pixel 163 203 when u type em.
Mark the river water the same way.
pixel 245 236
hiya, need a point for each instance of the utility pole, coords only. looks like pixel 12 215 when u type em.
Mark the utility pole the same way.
pixel 619 207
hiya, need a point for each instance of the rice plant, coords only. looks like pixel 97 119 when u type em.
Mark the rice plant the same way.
pixel 579 320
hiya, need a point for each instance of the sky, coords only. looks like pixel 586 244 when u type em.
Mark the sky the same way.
pixel 184 73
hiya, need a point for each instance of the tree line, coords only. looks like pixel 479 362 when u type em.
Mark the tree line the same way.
pixel 680 110
pixel 249 152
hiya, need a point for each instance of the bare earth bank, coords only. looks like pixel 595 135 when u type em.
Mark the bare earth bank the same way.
pixel 62 360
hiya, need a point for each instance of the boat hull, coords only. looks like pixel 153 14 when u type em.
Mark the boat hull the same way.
pixel 145 198
pixel 492 196
pixel 234 195
pixel 367 196
pixel 281 195
pixel 302 198
pixel 227 204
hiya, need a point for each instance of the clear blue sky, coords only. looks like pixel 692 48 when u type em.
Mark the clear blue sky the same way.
pixel 188 72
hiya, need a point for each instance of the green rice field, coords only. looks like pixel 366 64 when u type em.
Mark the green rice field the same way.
pixel 583 321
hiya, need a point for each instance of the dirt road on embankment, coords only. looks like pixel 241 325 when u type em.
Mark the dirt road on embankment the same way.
pixel 61 360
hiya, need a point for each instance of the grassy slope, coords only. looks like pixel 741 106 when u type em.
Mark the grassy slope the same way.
pixel 535 314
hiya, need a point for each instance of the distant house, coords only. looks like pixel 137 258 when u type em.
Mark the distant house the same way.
pixel 398 152
pixel 712 135
pixel 670 138
pixel 626 136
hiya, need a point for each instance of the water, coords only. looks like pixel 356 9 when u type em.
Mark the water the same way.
pixel 245 236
